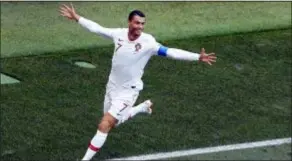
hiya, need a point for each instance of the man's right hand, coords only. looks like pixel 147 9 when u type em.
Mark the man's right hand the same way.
pixel 69 12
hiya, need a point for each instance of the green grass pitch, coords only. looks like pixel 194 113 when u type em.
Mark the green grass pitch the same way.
pixel 54 111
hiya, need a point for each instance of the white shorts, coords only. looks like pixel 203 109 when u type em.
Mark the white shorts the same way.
pixel 118 101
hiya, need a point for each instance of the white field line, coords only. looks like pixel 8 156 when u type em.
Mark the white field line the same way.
pixel 190 152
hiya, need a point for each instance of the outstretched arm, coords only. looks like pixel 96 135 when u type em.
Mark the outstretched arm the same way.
pixel 180 54
pixel 96 28
pixel 71 14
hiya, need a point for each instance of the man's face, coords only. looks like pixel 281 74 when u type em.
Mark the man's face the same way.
pixel 136 25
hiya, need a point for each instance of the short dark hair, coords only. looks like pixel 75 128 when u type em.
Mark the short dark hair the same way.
pixel 135 13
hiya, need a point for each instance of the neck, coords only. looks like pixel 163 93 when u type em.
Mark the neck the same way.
pixel 132 36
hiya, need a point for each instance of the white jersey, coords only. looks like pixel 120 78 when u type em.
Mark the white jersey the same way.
pixel 130 57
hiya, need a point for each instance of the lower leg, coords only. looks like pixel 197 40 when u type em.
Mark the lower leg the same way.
pixel 100 137
pixel 144 107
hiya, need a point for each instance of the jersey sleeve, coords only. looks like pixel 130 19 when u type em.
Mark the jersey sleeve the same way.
pixel 157 48
pixel 178 54
pixel 98 29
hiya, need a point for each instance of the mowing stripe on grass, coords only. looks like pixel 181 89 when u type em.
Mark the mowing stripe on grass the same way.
pixel 32 33
pixel 61 102
pixel 183 153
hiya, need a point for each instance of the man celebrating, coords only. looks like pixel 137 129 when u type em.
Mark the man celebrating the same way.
pixel 133 49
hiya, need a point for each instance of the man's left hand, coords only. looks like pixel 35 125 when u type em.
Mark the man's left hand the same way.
pixel 207 58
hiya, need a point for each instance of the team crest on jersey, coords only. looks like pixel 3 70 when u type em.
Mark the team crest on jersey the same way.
pixel 138 46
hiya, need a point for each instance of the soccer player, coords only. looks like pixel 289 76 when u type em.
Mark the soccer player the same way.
pixel 133 49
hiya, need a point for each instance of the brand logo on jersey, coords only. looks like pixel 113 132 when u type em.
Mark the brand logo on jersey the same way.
pixel 120 39
pixel 138 46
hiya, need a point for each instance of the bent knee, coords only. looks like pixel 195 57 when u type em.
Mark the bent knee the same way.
pixel 104 126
